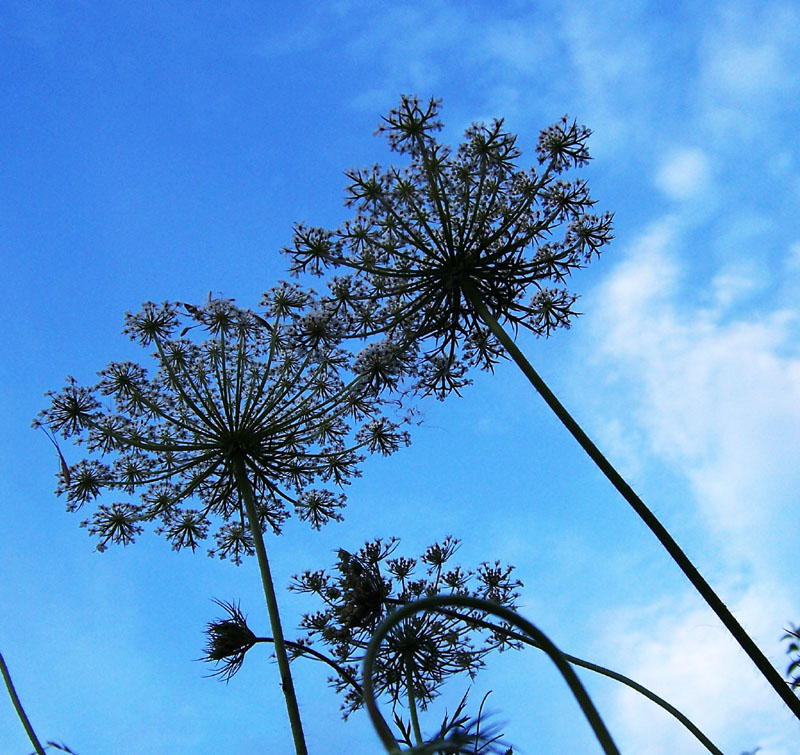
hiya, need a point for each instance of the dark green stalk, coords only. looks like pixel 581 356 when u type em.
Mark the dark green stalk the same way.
pixel 287 685
pixel 506 614
pixel 12 693
pixel 574 660
pixel 647 516
pixel 412 702
pixel 309 651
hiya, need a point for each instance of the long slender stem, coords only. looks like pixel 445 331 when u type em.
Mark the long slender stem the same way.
pixel 412 702
pixel 309 651
pixel 573 659
pixel 287 684
pixel 12 693
pixel 647 516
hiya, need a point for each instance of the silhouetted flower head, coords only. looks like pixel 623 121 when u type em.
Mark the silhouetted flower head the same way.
pixel 367 585
pixel 228 641
pixel 260 394
pixel 450 220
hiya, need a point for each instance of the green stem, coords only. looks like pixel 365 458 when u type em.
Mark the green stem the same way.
pixel 412 702
pixel 506 614
pixel 306 650
pixel 18 706
pixel 647 516
pixel 246 490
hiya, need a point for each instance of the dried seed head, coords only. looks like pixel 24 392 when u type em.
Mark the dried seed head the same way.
pixel 228 641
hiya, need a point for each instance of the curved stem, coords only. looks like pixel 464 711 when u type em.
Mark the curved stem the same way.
pixel 306 650
pixel 23 717
pixel 648 517
pixel 574 660
pixel 412 702
pixel 287 685
pixel 602 670
pixel 486 606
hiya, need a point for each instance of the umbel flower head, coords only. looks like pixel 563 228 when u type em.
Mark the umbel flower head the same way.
pixel 233 394
pixel 452 226
pixel 434 646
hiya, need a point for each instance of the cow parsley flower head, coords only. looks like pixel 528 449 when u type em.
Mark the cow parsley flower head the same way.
pixel 455 227
pixel 432 647
pixel 235 399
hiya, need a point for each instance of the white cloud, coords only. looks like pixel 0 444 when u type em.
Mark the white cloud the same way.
pixel 719 397
pixel 687 657
pixel 714 398
pixel 746 68
pixel 735 283
pixel 611 54
pixel 684 174
pixel 522 46
pixel 748 60
pixel 793 260
pixel 750 50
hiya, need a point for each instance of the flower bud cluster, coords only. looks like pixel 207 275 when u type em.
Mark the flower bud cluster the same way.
pixel 364 587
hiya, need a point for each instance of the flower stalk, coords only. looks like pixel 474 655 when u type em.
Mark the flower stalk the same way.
pixel 603 671
pixel 412 701
pixel 507 615
pixel 240 422
pixel 23 717
pixel 287 685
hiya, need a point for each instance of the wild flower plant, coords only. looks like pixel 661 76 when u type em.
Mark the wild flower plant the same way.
pixel 247 416
pixel 453 228
pixel 472 604
pixel 369 587
pixel 440 253
pixel 229 431
pixel 419 654
pixel 230 639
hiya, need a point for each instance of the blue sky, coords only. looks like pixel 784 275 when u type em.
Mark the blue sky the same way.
pixel 155 151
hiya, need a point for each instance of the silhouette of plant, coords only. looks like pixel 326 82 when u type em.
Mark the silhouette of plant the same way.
pixel 243 423
pixel 458 734
pixel 429 240
pixel 420 654
pixel 470 604
pixel 23 716
pixel 248 416
pixel 792 637
pixel 443 252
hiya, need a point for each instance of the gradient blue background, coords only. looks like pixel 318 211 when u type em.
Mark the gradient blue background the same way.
pixel 154 151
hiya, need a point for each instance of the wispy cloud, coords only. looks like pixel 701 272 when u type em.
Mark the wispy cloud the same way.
pixel 748 59
pixel 715 398
pixel 719 395
pixel 684 174
pixel 675 649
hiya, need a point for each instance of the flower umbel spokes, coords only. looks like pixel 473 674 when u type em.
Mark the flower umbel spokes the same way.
pixel 231 430
pixel 420 654
pixel 451 218
pixel 255 392
pixel 442 253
